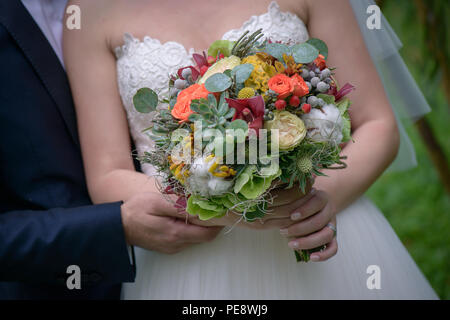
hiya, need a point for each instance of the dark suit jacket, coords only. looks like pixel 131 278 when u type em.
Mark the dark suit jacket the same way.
pixel 47 221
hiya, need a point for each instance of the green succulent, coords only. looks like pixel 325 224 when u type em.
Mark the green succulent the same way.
pixel 212 114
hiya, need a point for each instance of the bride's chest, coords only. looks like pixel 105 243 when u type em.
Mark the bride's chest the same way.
pixel 147 61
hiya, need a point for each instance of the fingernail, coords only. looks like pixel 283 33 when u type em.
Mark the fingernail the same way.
pixel 315 258
pixel 284 232
pixel 296 216
pixel 293 245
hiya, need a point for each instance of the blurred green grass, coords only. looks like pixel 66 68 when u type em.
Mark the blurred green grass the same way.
pixel 414 201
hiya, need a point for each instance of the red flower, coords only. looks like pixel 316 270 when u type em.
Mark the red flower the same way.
pixel 320 62
pixel 338 95
pixel 250 110
pixel 200 61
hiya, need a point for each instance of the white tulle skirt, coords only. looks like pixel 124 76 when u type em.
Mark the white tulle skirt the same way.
pixel 249 264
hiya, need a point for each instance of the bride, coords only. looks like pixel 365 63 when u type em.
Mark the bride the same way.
pixel 124 45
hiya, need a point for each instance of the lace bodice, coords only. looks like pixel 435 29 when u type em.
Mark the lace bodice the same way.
pixel 149 63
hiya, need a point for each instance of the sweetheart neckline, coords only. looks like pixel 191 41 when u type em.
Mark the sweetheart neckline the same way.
pixel 273 5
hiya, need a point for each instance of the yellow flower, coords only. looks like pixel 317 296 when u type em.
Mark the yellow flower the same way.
pixel 246 93
pixel 292 67
pixel 291 129
pixel 261 73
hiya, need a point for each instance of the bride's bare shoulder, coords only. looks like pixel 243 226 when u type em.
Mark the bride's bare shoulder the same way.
pixel 100 20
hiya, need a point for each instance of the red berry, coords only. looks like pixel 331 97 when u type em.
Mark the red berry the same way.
pixel 221 56
pixel 294 101
pixel 280 104
pixel 211 60
pixel 203 69
pixel 306 108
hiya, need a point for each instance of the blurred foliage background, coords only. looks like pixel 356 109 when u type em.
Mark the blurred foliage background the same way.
pixel 416 202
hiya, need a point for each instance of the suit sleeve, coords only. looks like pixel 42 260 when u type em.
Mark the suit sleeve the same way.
pixel 39 246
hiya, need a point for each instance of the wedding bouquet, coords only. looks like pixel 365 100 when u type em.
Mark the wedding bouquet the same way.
pixel 250 116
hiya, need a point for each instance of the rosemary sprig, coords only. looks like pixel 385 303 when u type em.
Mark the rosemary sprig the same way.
pixel 245 43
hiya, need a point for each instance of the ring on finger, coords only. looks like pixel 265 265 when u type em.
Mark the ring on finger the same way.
pixel 329 225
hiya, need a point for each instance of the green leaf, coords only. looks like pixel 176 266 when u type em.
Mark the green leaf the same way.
pixel 304 53
pixel 269 170
pixel 238 124
pixel 251 186
pixel 224 46
pixel 179 134
pixel 329 99
pixel 223 96
pixel 244 177
pixel 204 209
pixel 346 130
pixel 218 82
pixel 195 117
pixel 277 50
pixel 230 113
pixel 319 45
pixel 172 102
pixel 343 106
pixel 145 100
pixel 212 101
pixel 242 72
pixel 204 109
pixel 258 213
pixel 223 109
pixel 227 72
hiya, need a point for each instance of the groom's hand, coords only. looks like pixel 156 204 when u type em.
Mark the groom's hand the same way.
pixel 152 223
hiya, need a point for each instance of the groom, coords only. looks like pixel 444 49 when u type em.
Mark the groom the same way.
pixel 48 225
pixel 49 229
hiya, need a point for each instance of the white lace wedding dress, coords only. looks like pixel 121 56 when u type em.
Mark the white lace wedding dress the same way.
pixel 247 264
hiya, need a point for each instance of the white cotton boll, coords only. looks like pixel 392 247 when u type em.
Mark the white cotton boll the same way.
pixel 198 185
pixel 199 167
pixel 218 186
pixel 201 181
pixel 324 124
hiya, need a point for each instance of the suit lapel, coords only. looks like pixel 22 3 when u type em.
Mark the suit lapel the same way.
pixel 43 59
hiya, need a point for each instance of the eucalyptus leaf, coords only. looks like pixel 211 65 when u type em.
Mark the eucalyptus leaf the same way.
pixel 145 100
pixel 242 72
pixel 319 45
pixel 277 50
pixel 218 82
pixel 304 53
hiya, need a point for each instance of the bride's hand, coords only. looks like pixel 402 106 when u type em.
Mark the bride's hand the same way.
pixel 315 221
pixel 284 201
